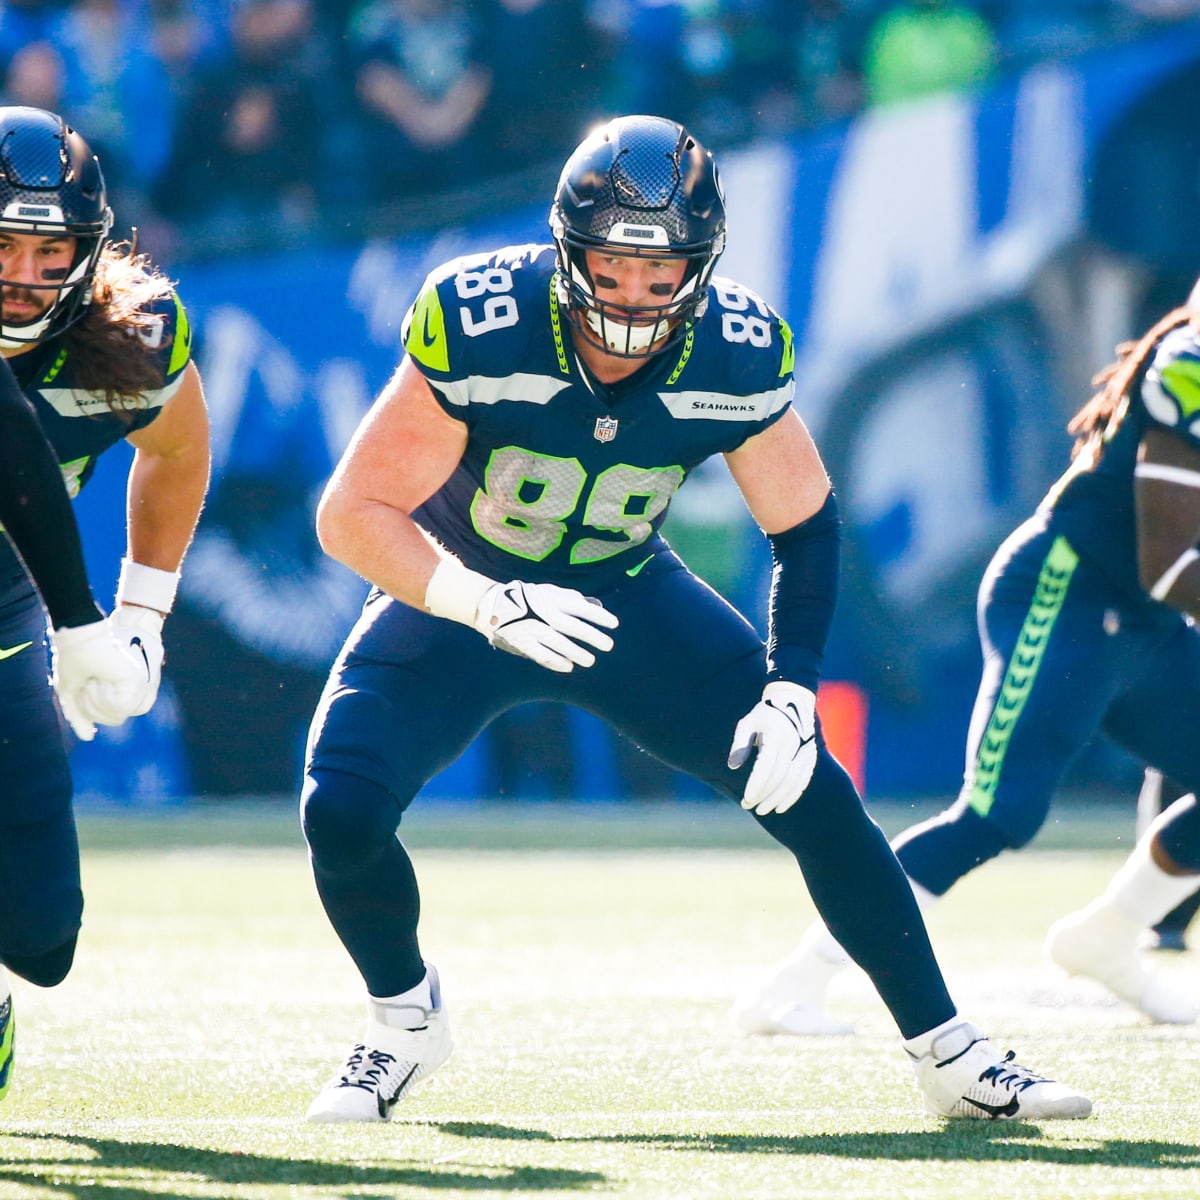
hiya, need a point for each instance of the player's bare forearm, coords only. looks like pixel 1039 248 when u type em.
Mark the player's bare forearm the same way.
pixel 169 477
pixel 402 453
pixel 165 496
pixel 379 542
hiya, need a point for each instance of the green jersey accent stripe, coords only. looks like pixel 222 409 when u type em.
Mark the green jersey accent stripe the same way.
pixel 181 350
pixel 1055 578
pixel 560 348
pixel 426 340
pixel 788 364
pixel 689 340
pixel 55 367
pixel 1182 381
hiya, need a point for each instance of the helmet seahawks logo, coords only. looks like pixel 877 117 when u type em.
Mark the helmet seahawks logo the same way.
pixel 646 235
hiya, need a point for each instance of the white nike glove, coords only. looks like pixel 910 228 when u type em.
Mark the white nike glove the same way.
pixel 139 630
pixel 535 620
pixel 783 727
pixel 84 656
pixel 545 623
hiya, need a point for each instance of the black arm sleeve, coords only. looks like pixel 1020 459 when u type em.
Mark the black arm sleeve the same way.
pixel 36 510
pixel 804 586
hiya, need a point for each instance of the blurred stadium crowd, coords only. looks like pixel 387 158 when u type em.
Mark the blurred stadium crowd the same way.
pixel 215 118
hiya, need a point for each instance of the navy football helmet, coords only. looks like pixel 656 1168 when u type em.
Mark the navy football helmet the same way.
pixel 640 186
pixel 51 185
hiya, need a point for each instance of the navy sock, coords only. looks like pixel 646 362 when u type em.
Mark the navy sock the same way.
pixel 939 852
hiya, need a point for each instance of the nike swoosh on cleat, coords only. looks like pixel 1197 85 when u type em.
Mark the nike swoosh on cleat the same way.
pixel 15 650
pixel 996 1110
pixel 386 1106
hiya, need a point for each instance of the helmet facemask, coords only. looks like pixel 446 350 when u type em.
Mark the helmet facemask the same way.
pixel 624 330
pixel 641 187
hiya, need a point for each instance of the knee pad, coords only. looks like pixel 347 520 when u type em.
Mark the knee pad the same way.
pixel 45 970
pixel 347 820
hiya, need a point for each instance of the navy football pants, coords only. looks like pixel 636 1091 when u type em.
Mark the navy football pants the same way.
pixel 411 691
pixel 41 903
pixel 1066 657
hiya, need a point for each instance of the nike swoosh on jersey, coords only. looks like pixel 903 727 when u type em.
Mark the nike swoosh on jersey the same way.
pixel 634 570
pixel 14 650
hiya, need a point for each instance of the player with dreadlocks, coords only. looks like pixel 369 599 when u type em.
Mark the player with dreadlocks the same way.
pixel 1086 620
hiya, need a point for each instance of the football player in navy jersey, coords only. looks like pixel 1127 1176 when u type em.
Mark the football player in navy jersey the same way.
pixel 99 344
pixel 505 494
pixel 1086 618
pixel 35 513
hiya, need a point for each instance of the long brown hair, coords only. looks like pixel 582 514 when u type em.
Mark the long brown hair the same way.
pixel 108 346
pixel 1093 423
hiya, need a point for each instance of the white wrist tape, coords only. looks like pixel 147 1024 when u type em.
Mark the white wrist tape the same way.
pixel 454 591
pixel 146 586
pixel 1172 573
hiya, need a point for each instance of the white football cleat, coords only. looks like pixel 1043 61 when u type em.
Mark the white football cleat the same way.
pixel 964 1075
pixel 1101 943
pixel 752 1017
pixel 403 1044
pixel 787 1000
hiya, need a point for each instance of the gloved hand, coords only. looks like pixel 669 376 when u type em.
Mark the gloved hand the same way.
pixel 545 623
pixel 86 656
pixel 783 727
pixel 139 630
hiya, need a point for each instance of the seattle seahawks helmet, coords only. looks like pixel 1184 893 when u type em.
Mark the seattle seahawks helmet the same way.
pixel 51 185
pixel 644 187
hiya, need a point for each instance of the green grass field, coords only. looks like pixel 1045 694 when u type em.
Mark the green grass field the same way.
pixel 588 992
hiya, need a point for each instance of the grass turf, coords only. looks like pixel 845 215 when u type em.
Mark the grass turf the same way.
pixel 588 990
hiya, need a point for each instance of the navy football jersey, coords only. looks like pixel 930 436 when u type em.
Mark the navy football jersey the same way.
pixel 1092 504
pixel 79 424
pixel 565 480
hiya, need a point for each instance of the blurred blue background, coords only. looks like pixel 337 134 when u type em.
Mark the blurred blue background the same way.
pixel 958 246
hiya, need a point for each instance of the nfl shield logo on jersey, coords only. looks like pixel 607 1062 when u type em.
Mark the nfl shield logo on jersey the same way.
pixel 606 429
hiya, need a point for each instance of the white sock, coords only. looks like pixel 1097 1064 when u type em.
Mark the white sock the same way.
pixel 1141 890
pixel 817 940
pixel 403 1011
pixel 922 1044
